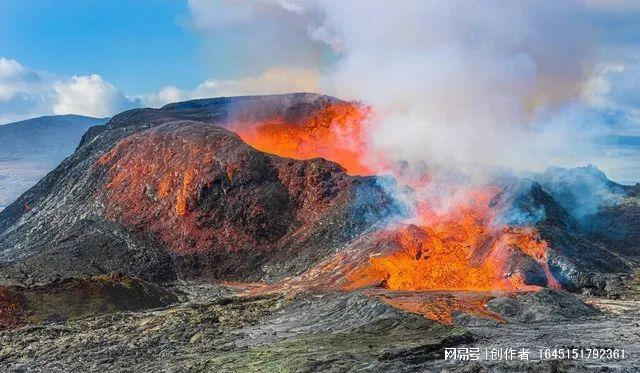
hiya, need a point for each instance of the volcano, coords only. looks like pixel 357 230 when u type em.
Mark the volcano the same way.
pixel 176 193
pixel 170 193
pixel 285 194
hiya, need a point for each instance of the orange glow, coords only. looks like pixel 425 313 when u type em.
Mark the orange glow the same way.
pixel 151 185
pixel 457 250
pixel 184 192
pixel 451 242
pixel 336 132
pixel 453 248
pixel 441 306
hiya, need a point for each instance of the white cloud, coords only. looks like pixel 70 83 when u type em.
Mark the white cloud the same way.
pixel 497 82
pixel 15 79
pixel 614 86
pixel 89 95
pixel 27 93
pixel 596 89
pixel 10 68
pixel 614 89
pixel 166 95
pixel 452 81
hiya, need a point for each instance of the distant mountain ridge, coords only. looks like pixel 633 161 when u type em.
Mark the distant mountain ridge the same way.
pixel 29 149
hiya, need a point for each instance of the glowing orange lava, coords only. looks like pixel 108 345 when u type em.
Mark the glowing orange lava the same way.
pixel 460 249
pixel 454 248
pixel 441 306
pixel 451 242
pixel 336 132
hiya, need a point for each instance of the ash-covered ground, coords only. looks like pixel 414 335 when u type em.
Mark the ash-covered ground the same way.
pixel 214 328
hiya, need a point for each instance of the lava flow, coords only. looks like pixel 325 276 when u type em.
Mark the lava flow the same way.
pixel 461 248
pixel 336 132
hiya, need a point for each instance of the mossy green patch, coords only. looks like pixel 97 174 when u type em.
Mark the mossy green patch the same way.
pixel 409 340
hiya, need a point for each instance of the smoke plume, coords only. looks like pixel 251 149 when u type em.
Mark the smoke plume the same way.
pixel 456 83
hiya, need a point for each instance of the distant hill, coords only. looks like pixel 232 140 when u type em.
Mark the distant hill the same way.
pixel 29 149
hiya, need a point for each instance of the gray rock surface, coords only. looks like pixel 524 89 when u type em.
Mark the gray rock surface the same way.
pixel 544 305
pixel 233 333
pixel 617 327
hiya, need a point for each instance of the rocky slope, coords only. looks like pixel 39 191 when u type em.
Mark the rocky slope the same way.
pixel 76 298
pixel 160 196
pixel 171 193
pixel 598 243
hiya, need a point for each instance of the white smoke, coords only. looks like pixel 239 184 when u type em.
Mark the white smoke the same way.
pixel 458 81
pixel 272 81
pixel 455 82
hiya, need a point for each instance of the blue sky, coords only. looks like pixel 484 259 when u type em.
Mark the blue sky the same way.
pixel 138 45
pixel 97 58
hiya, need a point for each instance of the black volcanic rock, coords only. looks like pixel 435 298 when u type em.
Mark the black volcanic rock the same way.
pixel 545 305
pixel 76 298
pixel 582 191
pixel 233 333
pixel 160 195
pixel 617 224
pixel 577 257
pixel 605 241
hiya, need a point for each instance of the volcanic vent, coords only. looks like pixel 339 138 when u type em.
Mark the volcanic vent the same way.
pixel 462 248
pixel 169 193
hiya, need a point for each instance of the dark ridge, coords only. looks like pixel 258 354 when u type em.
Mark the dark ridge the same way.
pixel 73 298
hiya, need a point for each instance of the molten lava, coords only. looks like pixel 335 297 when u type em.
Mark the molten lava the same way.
pixel 336 132
pixel 459 248
pixel 200 189
pixel 441 306
pixel 451 242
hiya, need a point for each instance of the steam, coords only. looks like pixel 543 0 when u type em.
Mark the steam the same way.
pixel 456 83
pixel 459 82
